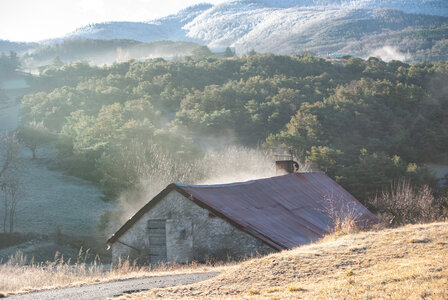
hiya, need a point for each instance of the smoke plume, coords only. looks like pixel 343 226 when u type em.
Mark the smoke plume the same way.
pixel 388 53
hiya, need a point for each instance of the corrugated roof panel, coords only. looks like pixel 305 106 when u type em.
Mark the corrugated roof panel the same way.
pixel 290 210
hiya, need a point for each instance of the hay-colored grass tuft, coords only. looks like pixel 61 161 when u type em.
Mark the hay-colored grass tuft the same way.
pixel 272 290
pixel 295 288
pixel 253 292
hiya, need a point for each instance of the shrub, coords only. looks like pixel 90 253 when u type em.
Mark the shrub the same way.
pixel 403 204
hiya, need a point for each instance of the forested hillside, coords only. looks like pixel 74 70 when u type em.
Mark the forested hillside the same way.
pixel 100 52
pixel 365 123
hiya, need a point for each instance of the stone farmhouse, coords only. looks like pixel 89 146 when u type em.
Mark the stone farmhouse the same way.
pixel 185 223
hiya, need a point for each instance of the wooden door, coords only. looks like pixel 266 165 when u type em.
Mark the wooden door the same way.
pixel 157 241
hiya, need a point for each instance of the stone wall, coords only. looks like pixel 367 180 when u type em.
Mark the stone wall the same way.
pixel 192 234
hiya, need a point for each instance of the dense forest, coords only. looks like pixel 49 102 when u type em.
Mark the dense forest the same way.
pixel 365 123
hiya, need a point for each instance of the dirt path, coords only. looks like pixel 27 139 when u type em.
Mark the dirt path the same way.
pixel 116 288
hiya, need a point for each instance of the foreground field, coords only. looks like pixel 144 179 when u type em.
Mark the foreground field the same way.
pixel 410 262
pixel 18 276
pixel 406 263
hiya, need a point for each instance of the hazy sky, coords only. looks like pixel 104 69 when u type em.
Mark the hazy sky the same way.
pixel 34 20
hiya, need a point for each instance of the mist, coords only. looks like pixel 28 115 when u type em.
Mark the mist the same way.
pixel 230 164
pixel 389 53
pixel 102 52
pixel 227 165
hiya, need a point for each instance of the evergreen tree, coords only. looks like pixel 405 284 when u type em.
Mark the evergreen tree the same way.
pixel 252 52
pixel 202 52
pixel 228 52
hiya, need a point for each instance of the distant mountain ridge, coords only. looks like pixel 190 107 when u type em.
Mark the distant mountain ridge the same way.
pixel 172 27
pixel 287 26
pixel 357 27
pixel 6 46
pixel 166 28
pixel 431 7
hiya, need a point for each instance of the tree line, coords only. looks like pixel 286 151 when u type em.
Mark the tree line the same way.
pixel 365 123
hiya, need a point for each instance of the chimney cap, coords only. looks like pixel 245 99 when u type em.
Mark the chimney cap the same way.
pixel 286 166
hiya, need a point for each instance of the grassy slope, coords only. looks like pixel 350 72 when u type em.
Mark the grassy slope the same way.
pixel 406 263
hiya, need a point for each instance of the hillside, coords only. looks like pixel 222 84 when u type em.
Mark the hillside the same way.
pixel 100 52
pixel 67 206
pixel 405 263
pixel 387 119
pixel 286 27
pixel 167 28
pixel 6 46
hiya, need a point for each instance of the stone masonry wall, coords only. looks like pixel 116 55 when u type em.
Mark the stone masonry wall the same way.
pixel 191 234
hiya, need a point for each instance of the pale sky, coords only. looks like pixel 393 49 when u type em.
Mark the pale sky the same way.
pixel 34 20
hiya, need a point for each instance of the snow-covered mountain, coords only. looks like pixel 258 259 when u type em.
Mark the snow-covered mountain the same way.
pixel 281 26
pixel 292 29
pixel 431 7
pixel 167 28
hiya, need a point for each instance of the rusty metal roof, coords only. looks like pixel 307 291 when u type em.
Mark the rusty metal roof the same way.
pixel 283 211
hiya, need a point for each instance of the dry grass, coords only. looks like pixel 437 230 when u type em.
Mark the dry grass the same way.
pixel 410 262
pixel 18 275
pixel 343 217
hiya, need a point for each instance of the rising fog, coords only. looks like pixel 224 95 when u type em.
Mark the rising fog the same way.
pixel 388 53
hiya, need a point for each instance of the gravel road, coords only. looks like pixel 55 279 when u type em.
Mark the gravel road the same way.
pixel 115 288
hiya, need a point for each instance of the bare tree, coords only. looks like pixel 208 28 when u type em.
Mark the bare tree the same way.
pixel 34 135
pixel 9 178
pixel 11 194
pixel 9 151
pixel 403 204
pixel 5 206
